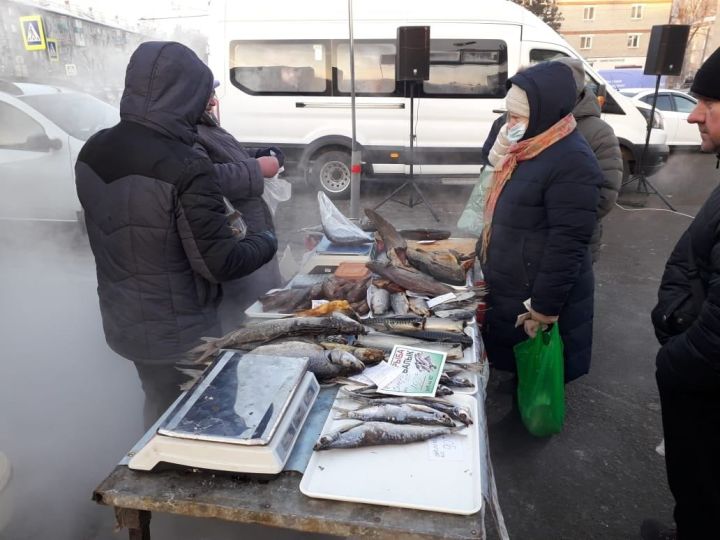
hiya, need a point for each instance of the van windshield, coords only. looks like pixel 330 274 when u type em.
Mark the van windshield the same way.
pixel 80 115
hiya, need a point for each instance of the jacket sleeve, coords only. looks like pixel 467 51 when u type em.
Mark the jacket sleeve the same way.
pixel 213 251
pixel 571 208
pixel 237 180
pixel 702 340
pixel 607 151
pixel 494 129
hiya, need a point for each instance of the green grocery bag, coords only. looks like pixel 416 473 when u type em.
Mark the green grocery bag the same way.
pixel 472 218
pixel 541 382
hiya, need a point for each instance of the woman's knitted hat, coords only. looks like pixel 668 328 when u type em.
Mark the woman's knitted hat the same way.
pixel 516 102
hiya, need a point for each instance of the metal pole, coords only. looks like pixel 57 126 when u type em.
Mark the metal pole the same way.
pixel 355 158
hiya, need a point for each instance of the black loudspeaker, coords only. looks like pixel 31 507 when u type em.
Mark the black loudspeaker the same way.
pixel 666 49
pixel 413 53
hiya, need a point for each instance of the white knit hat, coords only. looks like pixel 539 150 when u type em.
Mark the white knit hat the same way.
pixel 516 102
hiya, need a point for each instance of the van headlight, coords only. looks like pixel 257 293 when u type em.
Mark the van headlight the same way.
pixel 657 122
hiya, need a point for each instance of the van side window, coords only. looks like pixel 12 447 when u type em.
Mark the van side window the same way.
pixel 17 128
pixel 374 67
pixel 467 68
pixel 543 55
pixel 280 67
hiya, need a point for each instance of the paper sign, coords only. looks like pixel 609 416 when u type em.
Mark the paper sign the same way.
pixel 382 373
pixel 419 372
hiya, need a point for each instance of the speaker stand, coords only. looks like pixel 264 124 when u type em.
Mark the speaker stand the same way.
pixel 642 181
pixel 410 182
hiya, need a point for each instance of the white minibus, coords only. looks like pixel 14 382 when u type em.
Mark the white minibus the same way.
pixel 284 70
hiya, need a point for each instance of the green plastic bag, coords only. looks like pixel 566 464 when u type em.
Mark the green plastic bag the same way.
pixel 541 382
pixel 472 218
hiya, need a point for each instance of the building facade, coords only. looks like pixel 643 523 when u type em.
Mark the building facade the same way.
pixel 612 33
pixel 53 45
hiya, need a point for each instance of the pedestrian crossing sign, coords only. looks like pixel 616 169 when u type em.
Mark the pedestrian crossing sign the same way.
pixel 52 49
pixel 33 33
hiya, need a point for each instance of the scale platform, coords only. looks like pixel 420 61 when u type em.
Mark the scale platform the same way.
pixel 244 415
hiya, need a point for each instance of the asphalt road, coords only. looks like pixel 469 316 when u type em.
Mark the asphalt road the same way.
pixel 70 408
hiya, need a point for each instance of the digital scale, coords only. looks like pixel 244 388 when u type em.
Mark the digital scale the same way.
pixel 243 415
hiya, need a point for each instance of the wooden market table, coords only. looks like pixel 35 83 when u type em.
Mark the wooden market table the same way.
pixel 277 502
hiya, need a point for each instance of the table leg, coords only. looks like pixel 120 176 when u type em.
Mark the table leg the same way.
pixel 136 521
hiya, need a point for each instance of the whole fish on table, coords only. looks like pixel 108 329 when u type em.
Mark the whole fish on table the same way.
pixel 324 364
pixel 395 245
pixel 399 303
pixel 456 381
pixel 407 413
pixel 380 433
pixel 424 234
pixel 379 300
pixel 456 412
pixel 411 323
pixel 418 306
pixel 455 314
pixel 365 354
pixel 286 300
pixel 269 330
pixel 411 280
pixel 445 269
pixel 386 342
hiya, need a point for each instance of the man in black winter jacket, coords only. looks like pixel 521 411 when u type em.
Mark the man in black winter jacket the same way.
pixel 156 220
pixel 687 323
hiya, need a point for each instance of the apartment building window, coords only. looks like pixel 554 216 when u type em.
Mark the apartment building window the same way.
pixel 589 13
pixel 633 41
pixel 586 42
pixel 636 11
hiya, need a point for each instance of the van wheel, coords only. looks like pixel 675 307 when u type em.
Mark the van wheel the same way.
pixel 331 173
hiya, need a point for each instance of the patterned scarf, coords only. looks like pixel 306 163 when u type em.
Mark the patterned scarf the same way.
pixel 521 151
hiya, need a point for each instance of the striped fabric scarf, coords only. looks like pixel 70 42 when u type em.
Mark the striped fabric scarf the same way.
pixel 521 151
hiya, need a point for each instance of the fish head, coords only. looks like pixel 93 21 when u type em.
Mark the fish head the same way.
pixel 463 415
pixel 325 441
pixel 445 419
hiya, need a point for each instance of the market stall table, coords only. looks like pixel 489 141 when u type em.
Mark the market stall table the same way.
pixel 276 502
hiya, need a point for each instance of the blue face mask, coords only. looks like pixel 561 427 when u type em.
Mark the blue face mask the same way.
pixel 516 132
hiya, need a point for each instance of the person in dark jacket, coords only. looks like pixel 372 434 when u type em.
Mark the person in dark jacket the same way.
pixel 601 138
pixel 241 173
pixel 599 135
pixel 687 324
pixel 539 218
pixel 156 220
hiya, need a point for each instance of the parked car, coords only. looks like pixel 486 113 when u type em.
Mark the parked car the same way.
pixel 42 130
pixel 674 107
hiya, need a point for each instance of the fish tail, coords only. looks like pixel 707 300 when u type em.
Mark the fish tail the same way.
pixel 202 353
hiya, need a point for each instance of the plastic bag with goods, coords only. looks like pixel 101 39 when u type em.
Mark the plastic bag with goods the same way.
pixel 339 229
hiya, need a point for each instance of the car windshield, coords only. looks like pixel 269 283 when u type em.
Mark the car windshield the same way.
pixel 80 115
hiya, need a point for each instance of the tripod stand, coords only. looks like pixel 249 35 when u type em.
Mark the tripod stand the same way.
pixel 412 201
pixel 643 182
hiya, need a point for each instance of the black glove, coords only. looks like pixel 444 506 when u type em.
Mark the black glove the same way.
pixel 272 150
pixel 270 237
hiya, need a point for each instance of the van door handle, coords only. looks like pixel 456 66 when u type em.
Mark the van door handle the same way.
pixel 333 105
pixel 499 111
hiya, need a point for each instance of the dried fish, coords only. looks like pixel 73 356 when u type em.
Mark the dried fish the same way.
pixel 457 381
pixel 361 308
pixel 449 337
pixel 386 342
pixel 391 287
pixel 379 433
pixel 419 306
pixel 456 412
pixel 407 413
pixel 424 234
pixel 324 364
pixel 443 390
pixel 412 280
pixel 286 300
pixel 455 314
pixel 269 330
pixel 379 301
pixel 365 354
pixel 399 303
pixel 395 245
pixel 324 309
pixel 446 269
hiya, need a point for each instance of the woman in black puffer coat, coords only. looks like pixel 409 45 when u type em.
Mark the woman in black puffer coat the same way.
pixel 542 223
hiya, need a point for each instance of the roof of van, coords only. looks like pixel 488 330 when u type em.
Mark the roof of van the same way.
pixel 407 11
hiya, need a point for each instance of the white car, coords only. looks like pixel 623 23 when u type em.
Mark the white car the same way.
pixel 674 106
pixel 42 130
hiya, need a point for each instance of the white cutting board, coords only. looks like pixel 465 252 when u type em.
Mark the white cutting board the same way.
pixel 440 475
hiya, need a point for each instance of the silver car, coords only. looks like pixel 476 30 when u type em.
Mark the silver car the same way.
pixel 42 129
